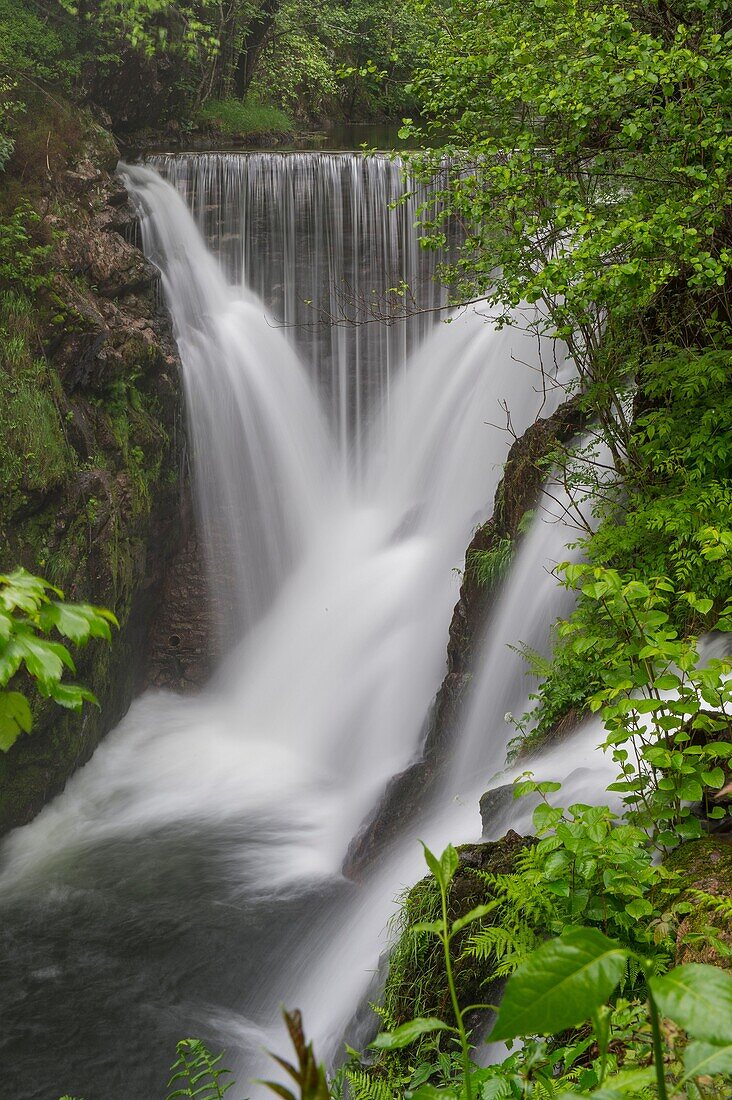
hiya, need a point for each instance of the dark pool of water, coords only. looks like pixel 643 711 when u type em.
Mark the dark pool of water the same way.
pixel 111 959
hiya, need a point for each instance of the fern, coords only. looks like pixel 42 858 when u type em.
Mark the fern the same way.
pixel 197 1074
pixel 525 906
pixel 713 903
pixel 496 1088
pixel 364 1086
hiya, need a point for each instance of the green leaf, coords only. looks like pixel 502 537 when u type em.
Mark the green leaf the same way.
pixel 443 868
pixel 698 998
pixel 432 862
pixel 560 985
pixel 473 915
pixel 72 696
pixel 9 733
pixel 15 718
pixel 449 861
pixel 434 926
pixel 14 705
pixel 706 1059
pixel 44 660
pixel 667 682
pixel 78 622
pixel 619 1087
pixel 714 778
pixel 639 908
pixel 430 1092
pixel 408 1033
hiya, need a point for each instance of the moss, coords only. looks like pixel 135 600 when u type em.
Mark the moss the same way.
pixel 34 453
pixel 416 983
pixel 241 117
pixel 89 416
pixel 705 867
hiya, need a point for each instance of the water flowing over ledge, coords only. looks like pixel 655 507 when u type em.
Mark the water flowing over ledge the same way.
pixel 329 243
pixel 213 829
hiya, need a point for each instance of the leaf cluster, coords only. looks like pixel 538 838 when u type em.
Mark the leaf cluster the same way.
pixel 31 612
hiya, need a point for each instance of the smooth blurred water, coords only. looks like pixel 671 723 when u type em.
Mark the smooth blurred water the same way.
pixel 188 879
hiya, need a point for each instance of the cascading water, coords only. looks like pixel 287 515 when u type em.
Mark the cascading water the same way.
pixel 327 241
pixel 188 880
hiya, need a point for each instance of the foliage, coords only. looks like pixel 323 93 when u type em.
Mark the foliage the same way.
pixel 308 1075
pixel 151 25
pixel 23 260
pixel 233 116
pixel 340 59
pixel 36 48
pixel 590 153
pixel 490 566
pixel 563 984
pixel 665 714
pixel 31 611
pixel 586 868
pixel 197 1073
pixel 34 453
pixel 443 870
pixel 667 518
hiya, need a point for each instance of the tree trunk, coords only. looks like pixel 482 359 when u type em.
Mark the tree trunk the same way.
pixel 253 41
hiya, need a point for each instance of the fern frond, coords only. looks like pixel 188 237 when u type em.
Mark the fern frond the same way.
pixel 196 1074
pixel 366 1086
pixel 713 903
pixel 496 1088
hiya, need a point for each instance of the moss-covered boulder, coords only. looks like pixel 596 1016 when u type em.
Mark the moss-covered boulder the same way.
pixel 705 867
pixel 416 984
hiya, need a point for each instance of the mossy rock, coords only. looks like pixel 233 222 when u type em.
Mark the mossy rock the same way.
pixel 704 865
pixel 416 983
pixel 90 430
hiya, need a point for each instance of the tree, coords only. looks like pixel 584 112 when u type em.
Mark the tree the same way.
pixel 589 160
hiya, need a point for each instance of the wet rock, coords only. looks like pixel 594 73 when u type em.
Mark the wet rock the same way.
pixel 182 641
pixel 495 805
pixel 106 527
pixel 111 265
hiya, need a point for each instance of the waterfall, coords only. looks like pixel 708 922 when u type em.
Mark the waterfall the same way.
pixel 328 242
pixel 188 879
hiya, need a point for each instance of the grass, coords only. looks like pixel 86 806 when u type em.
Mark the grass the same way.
pixel 34 453
pixel 488 567
pixel 236 116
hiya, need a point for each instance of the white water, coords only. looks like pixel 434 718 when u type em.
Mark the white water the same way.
pixel 343 593
pixel 326 241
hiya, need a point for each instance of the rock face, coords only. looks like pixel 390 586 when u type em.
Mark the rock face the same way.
pixel 181 647
pixel 100 515
pixel 517 493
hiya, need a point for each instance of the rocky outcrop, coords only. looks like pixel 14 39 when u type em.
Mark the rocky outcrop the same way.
pixel 705 866
pixel 98 511
pixel 518 492
pixel 416 983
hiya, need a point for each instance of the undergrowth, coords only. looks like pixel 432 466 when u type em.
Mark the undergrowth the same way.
pixel 241 117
